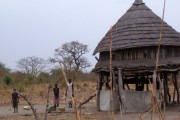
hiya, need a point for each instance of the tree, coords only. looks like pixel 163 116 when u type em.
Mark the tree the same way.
pixel 32 65
pixel 43 77
pixel 8 80
pixel 3 71
pixel 71 55
pixel 3 68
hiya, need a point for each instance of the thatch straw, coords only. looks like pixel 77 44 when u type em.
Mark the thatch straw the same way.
pixel 138 27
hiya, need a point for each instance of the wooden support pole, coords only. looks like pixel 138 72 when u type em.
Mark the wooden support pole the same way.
pixel 115 92
pixel 174 84
pixel 98 92
pixel 147 77
pixel 153 98
pixel 113 89
pixel 165 89
pixel 140 117
pixel 47 104
pixel 177 85
pixel 78 115
pixel 110 71
pixel 121 95
pixel 113 80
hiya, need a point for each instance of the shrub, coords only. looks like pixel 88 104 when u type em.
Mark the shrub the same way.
pixel 85 85
pixel 30 79
pixel 63 84
pixel 7 80
pixel 78 86
pixel 21 88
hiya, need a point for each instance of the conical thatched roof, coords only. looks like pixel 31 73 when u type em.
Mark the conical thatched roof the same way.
pixel 138 27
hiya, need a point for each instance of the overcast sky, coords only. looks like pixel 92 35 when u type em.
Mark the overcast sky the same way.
pixel 37 27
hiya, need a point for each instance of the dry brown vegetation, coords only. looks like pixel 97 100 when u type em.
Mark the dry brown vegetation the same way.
pixel 38 94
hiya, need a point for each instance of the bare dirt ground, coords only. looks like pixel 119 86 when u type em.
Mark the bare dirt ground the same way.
pixel 38 96
pixel 89 113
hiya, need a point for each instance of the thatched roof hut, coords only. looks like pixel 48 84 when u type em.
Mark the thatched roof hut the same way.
pixel 134 43
pixel 138 28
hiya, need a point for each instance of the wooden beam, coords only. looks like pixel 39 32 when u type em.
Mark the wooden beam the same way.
pixel 177 85
pixel 114 89
pixel 87 100
pixel 47 104
pixel 121 95
pixel 165 88
pixel 98 92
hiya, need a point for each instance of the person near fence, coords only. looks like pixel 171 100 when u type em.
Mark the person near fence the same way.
pixel 56 96
pixel 69 92
pixel 15 100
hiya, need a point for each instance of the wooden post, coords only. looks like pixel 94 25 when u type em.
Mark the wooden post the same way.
pixel 98 92
pixel 110 71
pixel 153 99
pixel 121 96
pixel 173 78
pixel 113 80
pixel 78 115
pixel 165 89
pixel 115 92
pixel 147 85
pixel 177 83
pixel 47 104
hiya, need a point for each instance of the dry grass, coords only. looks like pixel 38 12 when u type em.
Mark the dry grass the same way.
pixel 37 94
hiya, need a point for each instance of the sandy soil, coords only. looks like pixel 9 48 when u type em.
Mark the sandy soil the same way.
pixel 88 113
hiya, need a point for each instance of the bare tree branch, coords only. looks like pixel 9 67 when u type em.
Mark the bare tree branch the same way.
pixel 32 65
pixel 30 104
pixel 71 55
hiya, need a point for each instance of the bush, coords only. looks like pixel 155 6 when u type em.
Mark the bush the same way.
pixel 30 79
pixel 21 88
pixel 63 84
pixel 85 85
pixel 7 80
pixel 78 86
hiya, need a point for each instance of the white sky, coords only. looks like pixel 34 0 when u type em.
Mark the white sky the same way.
pixel 37 27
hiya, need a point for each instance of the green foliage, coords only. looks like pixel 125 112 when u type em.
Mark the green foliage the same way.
pixel 40 80
pixel 43 78
pixel 7 80
pixel 78 86
pixel 3 68
pixel 30 79
pixel 21 88
pixel 85 85
pixel 62 83
pixel 16 81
